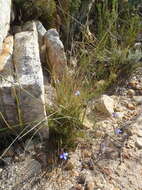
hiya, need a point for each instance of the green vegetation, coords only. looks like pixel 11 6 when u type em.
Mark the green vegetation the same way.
pixel 104 55
pixel 113 52
pixel 44 10
pixel 102 38
pixel 67 117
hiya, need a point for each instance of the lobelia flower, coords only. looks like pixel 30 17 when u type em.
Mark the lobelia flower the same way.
pixel 114 114
pixel 64 156
pixel 118 131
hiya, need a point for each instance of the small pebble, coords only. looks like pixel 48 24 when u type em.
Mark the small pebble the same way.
pixel 131 92
pixel 90 186
pixel 131 106
pixel 139 143
pixel 69 165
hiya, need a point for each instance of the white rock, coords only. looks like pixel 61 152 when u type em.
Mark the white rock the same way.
pixel 105 105
pixel 5 9
pixel 136 127
pixel 131 92
pixel 139 132
pixel 138 99
pixel 29 76
pixel 139 142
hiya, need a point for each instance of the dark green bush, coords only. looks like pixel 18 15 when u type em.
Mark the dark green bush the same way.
pixel 44 10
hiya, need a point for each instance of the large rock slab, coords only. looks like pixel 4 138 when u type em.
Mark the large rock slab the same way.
pixel 5 9
pixel 29 79
pixel 29 76
pixel 55 55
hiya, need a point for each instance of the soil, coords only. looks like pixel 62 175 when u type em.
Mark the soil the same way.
pixel 104 160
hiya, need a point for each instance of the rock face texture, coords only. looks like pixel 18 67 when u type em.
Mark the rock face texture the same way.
pixel 105 105
pixel 55 53
pixel 29 77
pixel 5 9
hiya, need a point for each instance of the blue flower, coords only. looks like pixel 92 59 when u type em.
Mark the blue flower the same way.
pixel 64 156
pixel 118 131
pixel 114 114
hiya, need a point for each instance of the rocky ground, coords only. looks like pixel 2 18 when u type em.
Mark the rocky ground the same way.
pixel 109 158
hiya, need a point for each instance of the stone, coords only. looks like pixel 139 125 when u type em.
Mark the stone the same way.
pixel 31 168
pixel 88 124
pixel 87 180
pixel 131 106
pixel 56 58
pixel 138 87
pixel 5 9
pixel 139 142
pixel 69 165
pixel 138 99
pixel 105 105
pixel 133 83
pixel 29 78
pixel 82 179
pixel 131 92
pixel 135 128
pixel 87 153
pixel 90 186
pixel 139 132
pixel 78 187
pixel 74 173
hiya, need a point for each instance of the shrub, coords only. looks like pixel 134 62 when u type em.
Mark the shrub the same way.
pixel 112 52
pixel 44 10
pixel 66 121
